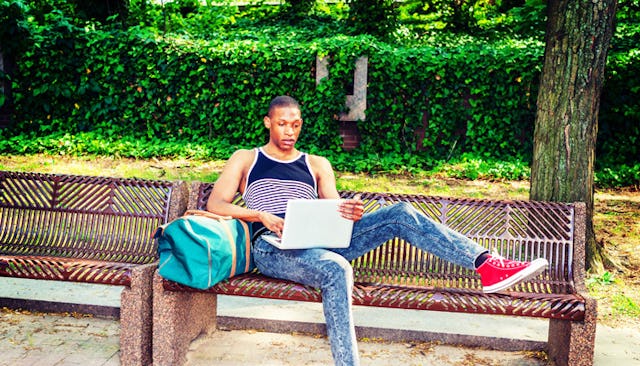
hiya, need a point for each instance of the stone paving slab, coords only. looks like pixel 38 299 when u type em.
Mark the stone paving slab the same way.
pixel 38 339
pixel 247 347
pixel 34 339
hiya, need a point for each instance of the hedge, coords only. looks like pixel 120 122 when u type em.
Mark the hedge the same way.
pixel 136 84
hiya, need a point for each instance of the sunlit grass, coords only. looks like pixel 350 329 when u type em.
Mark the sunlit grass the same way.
pixel 618 303
pixel 180 169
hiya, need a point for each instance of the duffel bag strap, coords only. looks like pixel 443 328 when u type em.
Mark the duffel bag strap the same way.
pixel 247 245
pixel 208 214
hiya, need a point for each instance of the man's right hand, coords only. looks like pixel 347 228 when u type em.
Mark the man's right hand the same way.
pixel 272 222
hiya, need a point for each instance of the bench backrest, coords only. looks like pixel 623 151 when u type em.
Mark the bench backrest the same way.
pixel 99 218
pixel 521 230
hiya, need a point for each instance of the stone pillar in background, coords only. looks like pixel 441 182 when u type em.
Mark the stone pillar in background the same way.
pixel 356 103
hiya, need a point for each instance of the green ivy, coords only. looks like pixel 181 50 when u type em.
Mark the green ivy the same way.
pixel 148 91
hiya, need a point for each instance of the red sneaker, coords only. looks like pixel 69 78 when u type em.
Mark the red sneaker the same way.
pixel 498 273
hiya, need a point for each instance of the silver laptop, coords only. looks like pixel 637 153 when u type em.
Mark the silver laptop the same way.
pixel 313 223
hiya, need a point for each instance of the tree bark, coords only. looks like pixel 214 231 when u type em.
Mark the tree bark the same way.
pixel 566 126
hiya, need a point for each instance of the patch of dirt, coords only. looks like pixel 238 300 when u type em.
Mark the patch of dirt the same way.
pixel 617 226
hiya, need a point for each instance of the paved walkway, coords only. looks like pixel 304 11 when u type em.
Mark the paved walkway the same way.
pixel 33 339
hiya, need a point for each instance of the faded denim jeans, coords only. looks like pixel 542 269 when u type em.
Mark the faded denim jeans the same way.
pixel 331 272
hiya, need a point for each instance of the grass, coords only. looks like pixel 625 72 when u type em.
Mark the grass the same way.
pixel 115 167
pixel 616 217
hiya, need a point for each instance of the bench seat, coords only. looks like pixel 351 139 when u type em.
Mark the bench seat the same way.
pixel 399 275
pixel 67 269
pixel 556 306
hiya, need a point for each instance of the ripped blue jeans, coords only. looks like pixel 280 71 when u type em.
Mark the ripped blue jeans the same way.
pixel 330 269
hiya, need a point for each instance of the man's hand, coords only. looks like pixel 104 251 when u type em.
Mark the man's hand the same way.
pixel 272 222
pixel 352 209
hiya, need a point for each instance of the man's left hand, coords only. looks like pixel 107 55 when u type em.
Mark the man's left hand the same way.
pixel 352 209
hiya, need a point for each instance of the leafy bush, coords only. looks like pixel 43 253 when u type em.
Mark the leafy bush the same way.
pixel 375 17
pixel 618 176
pixel 472 167
pixel 197 84
pixel 134 82
pixel 619 119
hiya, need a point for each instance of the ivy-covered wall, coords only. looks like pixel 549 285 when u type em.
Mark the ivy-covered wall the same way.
pixel 424 103
pixel 471 97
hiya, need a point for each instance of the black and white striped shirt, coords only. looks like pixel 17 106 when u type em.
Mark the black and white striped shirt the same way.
pixel 272 182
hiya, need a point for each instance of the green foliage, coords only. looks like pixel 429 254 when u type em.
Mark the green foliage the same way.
pixel 91 143
pixel 606 283
pixel 295 9
pixel 618 175
pixel 14 32
pixel 619 119
pixel 628 11
pixel 480 17
pixel 14 39
pixel 100 10
pixel 528 19
pixel 606 278
pixel 472 167
pixel 467 97
pixel 196 82
pixel 624 305
pixel 120 82
pixel 374 17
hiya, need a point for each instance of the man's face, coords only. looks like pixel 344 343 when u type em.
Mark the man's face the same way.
pixel 284 126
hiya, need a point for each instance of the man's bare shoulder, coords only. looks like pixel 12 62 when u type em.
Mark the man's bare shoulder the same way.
pixel 324 175
pixel 317 159
pixel 319 163
pixel 242 156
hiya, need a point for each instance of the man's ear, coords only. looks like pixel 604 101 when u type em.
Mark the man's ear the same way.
pixel 267 122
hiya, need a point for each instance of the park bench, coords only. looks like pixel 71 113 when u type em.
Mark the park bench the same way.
pixel 398 275
pixel 93 230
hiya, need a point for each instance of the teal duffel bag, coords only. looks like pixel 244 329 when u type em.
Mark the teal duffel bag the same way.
pixel 201 249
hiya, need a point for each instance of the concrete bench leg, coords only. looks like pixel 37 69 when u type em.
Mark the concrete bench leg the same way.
pixel 572 343
pixel 135 318
pixel 178 319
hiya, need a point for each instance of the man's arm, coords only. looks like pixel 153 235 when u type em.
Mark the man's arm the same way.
pixel 325 177
pixel 351 209
pixel 228 184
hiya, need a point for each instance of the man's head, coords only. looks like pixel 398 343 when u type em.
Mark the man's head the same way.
pixel 282 101
pixel 284 122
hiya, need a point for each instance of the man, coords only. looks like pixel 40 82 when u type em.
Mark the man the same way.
pixel 270 175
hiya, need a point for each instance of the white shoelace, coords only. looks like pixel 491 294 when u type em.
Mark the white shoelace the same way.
pixel 501 259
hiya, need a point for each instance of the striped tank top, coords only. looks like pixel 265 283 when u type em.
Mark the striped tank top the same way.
pixel 272 182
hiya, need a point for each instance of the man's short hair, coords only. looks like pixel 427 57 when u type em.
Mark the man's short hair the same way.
pixel 282 101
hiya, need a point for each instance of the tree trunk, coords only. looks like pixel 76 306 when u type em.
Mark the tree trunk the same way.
pixel 577 38
pixel 2 89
